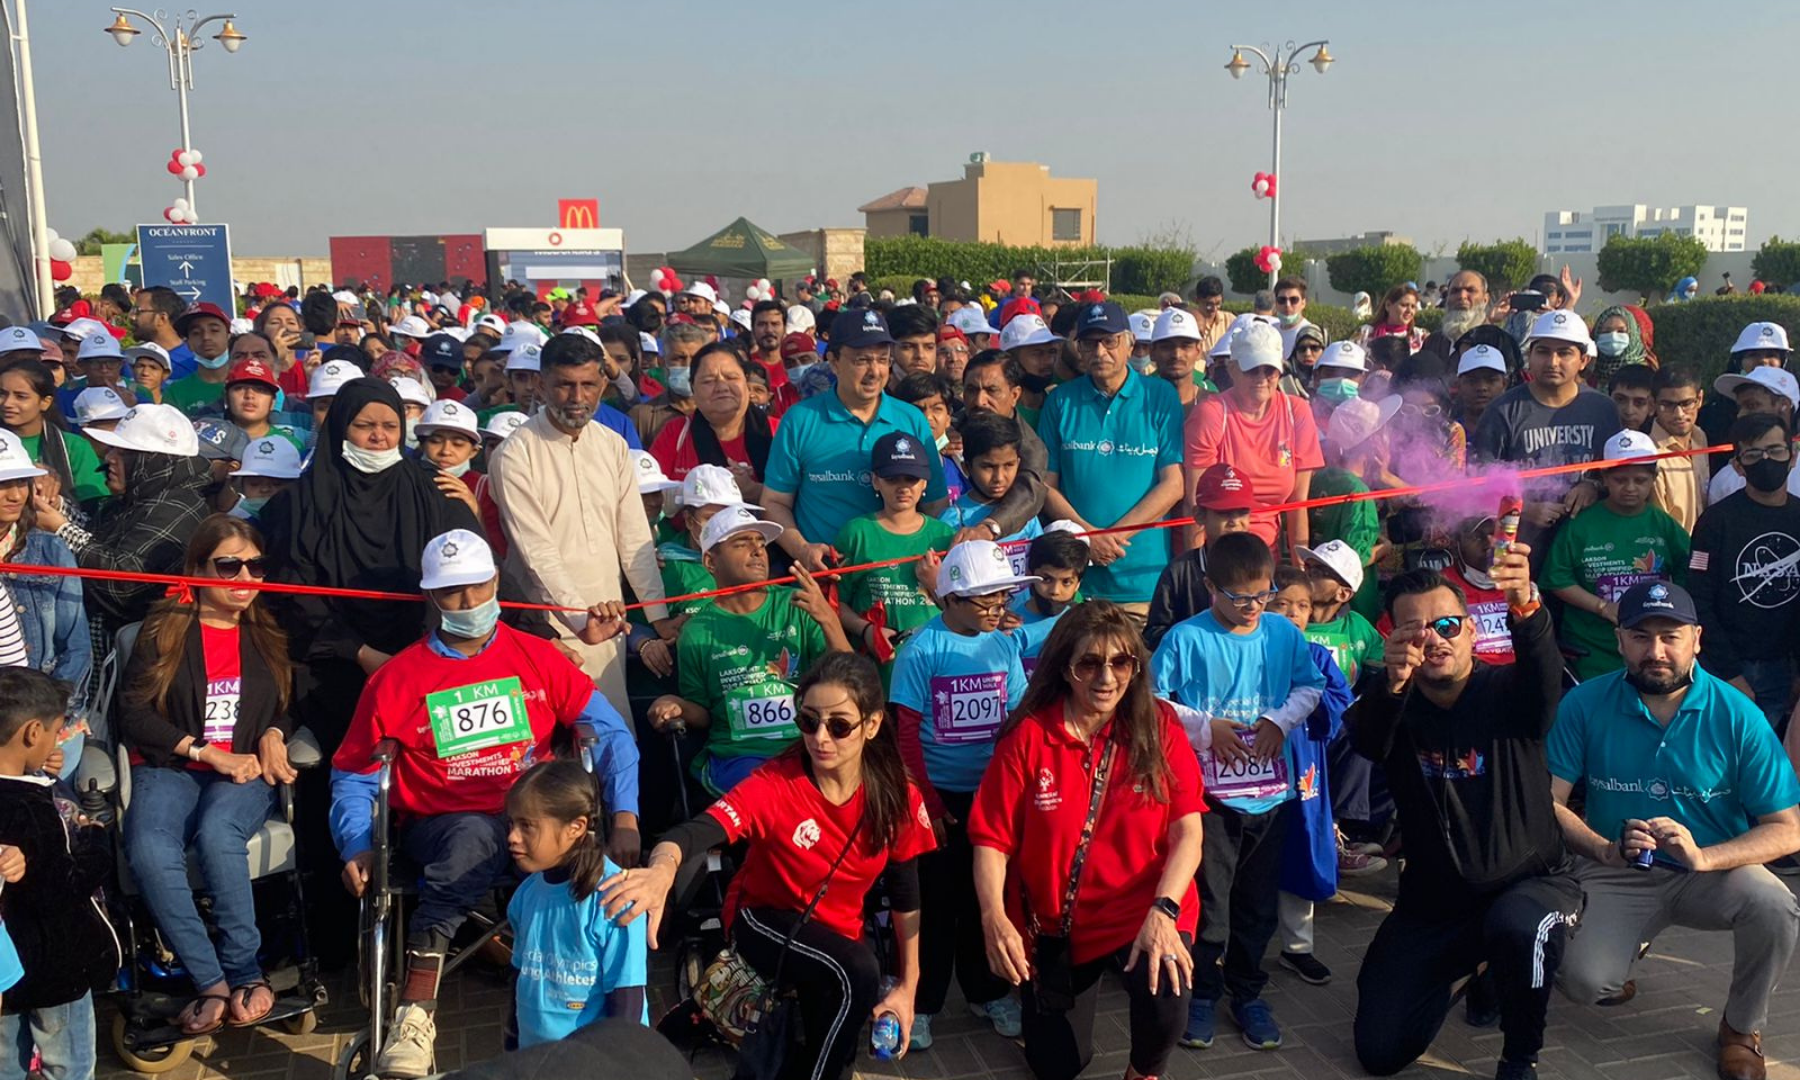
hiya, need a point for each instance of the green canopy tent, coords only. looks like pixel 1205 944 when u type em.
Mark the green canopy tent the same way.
pixel 743 250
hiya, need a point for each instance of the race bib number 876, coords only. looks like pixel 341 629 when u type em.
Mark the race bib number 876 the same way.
pixel 478 716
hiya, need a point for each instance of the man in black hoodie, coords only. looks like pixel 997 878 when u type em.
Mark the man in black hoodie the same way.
pixel 1487 877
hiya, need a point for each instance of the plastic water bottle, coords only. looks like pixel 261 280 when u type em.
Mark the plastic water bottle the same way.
pixel 884 1043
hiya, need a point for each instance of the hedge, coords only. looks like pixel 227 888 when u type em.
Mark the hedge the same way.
pixel 1649 266
pixel 1700 332
pixel 1135 269
pixel 1778 261
pixel 1374 269
pixel 1506 264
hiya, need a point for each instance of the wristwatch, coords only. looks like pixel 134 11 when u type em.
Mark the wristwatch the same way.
pixel 196 748
pixel 993 527
pixel 1167 907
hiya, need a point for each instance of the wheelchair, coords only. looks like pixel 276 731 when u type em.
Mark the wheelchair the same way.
pixel 152 986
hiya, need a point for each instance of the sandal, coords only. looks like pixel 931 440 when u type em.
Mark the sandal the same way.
pixel 241 995
pixel 192 1010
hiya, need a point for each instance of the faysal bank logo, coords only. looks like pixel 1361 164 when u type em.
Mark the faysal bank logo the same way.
pixel 1767 573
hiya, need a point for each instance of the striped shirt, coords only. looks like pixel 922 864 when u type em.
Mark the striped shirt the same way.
pixel 12 639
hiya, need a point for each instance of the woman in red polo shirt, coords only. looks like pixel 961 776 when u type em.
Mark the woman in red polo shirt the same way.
pixel 724 428
pixel 1090 755
pixel 839 796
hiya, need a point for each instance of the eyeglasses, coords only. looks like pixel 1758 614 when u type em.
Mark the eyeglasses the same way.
pixel 1773 453
pixel 839 727
pixel 1246 601
pixel 1087 346
pixel 227 566
pixel 1448 627
pixel 1123 666
pixel 986 605
pixel 1433 409
pixel 1685 405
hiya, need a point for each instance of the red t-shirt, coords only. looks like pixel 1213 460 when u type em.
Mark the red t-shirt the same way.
pixel 795 836
pixel 490 512
pixel 464 759
pixel 1269 451
pixel 675 451
pixel 224 685
pixel 1493 638
pixel 1032 804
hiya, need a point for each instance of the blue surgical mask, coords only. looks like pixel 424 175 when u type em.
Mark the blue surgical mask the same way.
pixel 215 363
pixel 456 470
pixel 798 371
pixel 1338 391
pixel 476 622
pixel 252 506
pixel 1612 343
pixel 680 382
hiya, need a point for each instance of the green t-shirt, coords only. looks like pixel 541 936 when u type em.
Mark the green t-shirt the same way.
pixel 1606 552
pixel 194 396
pixel 84 465
pixel 682 575
pixel 1354 644
pixel 865 540
pixel 743 669
pixel 1356 524
pixel 1029 415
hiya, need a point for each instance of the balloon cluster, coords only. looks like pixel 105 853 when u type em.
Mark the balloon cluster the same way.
pixel 1268 259
pixel 62 256
pixel 1263 183
pixel 664 281
pixel 181 213
pixel 757 290
pixel 186 164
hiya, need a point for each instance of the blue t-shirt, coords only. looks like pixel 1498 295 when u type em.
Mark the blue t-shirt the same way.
pixel 1240 678
pixel 619 424
pixel 11 969
pixel 968 509
pixel 955 483
pixel 963 685
pixel 1716 768
pixel 569 956
pixel 821 458
pixel 1035 630
pixel 181 363
pixel 1107 453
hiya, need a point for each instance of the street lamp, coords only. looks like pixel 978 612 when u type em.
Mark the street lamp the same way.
pixel 180 43
pixel 1278 67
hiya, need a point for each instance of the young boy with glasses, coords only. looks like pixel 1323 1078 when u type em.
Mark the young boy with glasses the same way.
pixel 1255 681
pixel 1677 394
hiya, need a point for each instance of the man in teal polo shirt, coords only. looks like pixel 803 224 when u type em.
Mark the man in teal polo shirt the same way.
pixel 1678 764
pixel 817 477
pixel 1114 443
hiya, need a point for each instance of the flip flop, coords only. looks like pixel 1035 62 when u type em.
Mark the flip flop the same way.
pixel 246 990
pixel 189 1009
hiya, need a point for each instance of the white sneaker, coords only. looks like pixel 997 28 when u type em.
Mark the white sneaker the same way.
pixel 408 1053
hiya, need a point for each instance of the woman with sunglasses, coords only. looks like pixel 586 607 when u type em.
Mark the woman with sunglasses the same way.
pixel 1093 778
pixel 824 820
pixel 204 715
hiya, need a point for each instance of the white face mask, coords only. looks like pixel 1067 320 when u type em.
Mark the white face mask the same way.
pixel 370 461
pixel 456 470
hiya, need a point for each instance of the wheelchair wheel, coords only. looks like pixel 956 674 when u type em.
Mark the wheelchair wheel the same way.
pixel 357 1062
pixel 690 968
pixel 159 1060
pixel 304 1024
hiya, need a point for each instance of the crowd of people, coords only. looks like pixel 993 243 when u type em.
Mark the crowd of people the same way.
pixel 1075 640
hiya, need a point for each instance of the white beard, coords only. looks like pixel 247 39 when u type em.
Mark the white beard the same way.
pixel 1458 323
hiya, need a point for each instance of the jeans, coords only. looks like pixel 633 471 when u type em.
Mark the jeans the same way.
pixel 171 809
pixel 460 857
pixel 63 1034
pixel 1773 681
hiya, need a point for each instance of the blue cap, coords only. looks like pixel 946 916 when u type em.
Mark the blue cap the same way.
pixel 900 454
pixel 859 330
pixel 1656 600
pixel 441 351
pixel 1102 318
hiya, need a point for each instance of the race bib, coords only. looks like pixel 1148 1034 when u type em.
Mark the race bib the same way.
pixel 221 711
pixel 967 708
pixel 1609 587
pixel 764 712
pixel 477 717
pixel 1247 779
pixel 1491 632
pixel 1017 552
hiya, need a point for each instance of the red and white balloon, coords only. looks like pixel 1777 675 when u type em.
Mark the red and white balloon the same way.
pixel 186 164
pixel 759 290
pixel 1268 259
pixel 61 256
pixel 181 213
pixel 664 281
pixel 1263 184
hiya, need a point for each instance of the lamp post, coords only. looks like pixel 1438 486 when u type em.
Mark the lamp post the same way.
pixel 180 43
pixel 1278 67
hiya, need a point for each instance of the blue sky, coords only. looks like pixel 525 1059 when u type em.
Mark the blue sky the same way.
pixel 1454 120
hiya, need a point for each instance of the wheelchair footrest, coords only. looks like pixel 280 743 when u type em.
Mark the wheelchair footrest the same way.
pixel 156 1030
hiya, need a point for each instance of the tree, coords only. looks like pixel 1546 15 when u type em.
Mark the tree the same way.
pixel 1649 266
pixel 1778 262
pixel 1241 269
pixel 1507 264
pixel 90 244
pixel 1374 269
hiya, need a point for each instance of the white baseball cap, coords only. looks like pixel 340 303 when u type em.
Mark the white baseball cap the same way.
pixel 15 462
pixel 970 319
pixel 702 290
pixel 1561 326
pixel 491 324
pixel 1773 379
pixel 99 403
pixel 412 391
pixel 525 357
pixel 732 520
pixel 149 350
pixel 741 317
pixel 1023 330
pixel 1143 325
pixel 101 345
pixel 460 333
pixel 446 415
pixel 152 428
pixel 1256 345
pixel 712 485
pixel 275 457
pixel 1340 558
pixel 800 319
pixel 978 567
pixel 1344 354
pixel 240 325
pixel 328 378
pixel 1356 420
pixel 20 339
pixel 582 331
pixel 456 558
pixel 1762 335
pixel 1481 358
pixel 520 334
pixel 1078 530
pixel 412 326
pixel 502 424
pixel 1175 323
pixel 649 346
pixel 1629 444
pixel 650 477
pixel 634 296
pixel 79 329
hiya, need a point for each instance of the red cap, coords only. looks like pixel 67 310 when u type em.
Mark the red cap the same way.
pixel 831 283
pixel 680 318
pixel 1000 285
pixel 1222 487
pixel 1091 296
pixel 1022 305
pixel 580 314
pixel 252 371
pixel 199 311
pixel 798 344
pixel 951 333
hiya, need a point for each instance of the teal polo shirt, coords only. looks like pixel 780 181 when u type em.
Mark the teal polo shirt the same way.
pixel 1716 768
pixel 821 458
pixel 1107 452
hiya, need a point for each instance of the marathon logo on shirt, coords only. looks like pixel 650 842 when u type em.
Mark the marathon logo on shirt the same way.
pixel 806 834
pixel 1106 448
pixel 1540 438
pixel 1657 788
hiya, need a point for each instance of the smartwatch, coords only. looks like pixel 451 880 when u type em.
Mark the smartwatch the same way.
pixel 196 748
pixel 1167 907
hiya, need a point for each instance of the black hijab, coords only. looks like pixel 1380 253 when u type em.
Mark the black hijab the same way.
pixel 341 527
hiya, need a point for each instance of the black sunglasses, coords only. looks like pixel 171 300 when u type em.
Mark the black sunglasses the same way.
pixel 227 566
pixel 839 727
pixel 1448 627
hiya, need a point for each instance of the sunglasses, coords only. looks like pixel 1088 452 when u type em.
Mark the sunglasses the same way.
pixel 1246 601
pixel 1123 666
pixel 839 727
pixel 228 566
pixel 1448 627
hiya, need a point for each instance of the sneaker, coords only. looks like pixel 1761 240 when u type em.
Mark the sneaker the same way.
pixel 1004 1014
pixel 408 1053
pixel 921 1033
pixel 1258 1023
pixel 1305 965
pixel 1481 1003
pixel 1199 1033
pixel 1515 1070
pixel 1357 864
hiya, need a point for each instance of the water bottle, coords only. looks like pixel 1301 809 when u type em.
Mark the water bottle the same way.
pixel 884 1043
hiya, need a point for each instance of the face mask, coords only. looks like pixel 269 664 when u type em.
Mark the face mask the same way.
pixel 456 470
pixel 477 622
pixel 798 371
pixel 1143 365
pixel 1766 476
pixel 1338 391
pixel 943 441
pixel 1037 384
pixel 412 437
pixel 1612 343
pixel 215 363
pixel 680 382
pixel 370 461
pixel 1290 320
pixel 252 506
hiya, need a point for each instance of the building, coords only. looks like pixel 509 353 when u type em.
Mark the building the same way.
pixel 1575 232
pixel 1318 249
pixel 1000 202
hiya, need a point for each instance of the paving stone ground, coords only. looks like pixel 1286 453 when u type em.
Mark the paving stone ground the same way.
pixel 1664 1034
